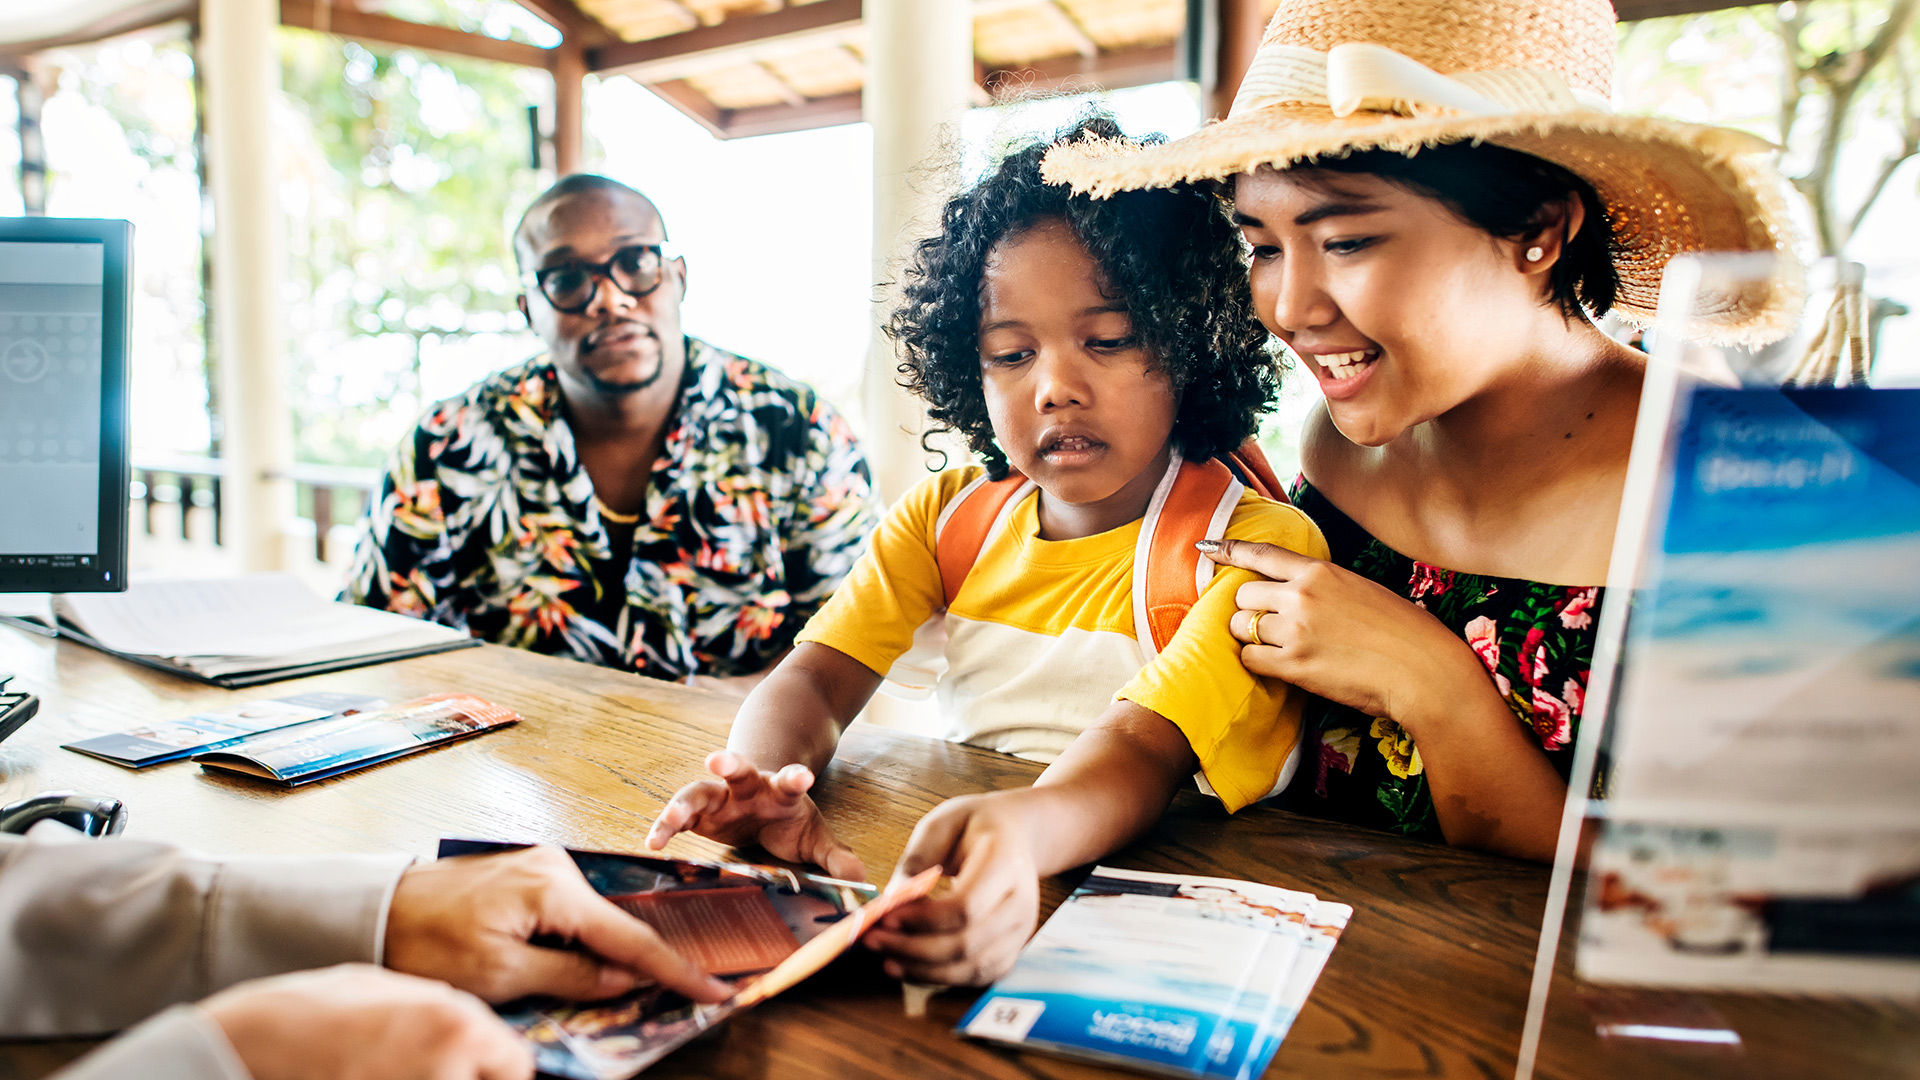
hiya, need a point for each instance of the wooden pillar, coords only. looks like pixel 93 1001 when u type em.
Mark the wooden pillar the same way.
pixel 569 68
pixel 209 309
pixel 919 84
pixel 30 92
pixel 240 61
pixel 1240 22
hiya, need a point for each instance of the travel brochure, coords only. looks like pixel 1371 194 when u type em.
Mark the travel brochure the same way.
pixel 1169 973
pixel 763 928
pixel 301 738
pixel 1762 820
pixel 310 752
pixel 217 728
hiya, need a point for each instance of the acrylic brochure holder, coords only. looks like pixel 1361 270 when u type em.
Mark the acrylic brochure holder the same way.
pixel 1737 887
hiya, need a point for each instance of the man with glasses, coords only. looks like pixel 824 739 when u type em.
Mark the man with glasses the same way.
pixel 634 497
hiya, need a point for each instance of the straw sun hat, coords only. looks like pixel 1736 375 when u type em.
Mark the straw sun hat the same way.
pixel 1531 75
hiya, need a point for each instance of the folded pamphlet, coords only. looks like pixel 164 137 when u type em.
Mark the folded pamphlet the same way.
pixel 214 729
pixel 763 928
pixel 1167 973
pixel 243 631
pixel 316 751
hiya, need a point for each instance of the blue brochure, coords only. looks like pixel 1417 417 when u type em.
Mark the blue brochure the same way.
pixel 320 751
pixel 1168 973
pixel 214 729
pixel 1763 816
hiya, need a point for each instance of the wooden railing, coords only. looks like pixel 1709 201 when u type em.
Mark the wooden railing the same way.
pixel 188 481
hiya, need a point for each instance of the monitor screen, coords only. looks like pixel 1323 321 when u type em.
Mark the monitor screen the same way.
pixel 64 290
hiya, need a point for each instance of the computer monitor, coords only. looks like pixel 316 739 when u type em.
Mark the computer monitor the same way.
pixel 65 293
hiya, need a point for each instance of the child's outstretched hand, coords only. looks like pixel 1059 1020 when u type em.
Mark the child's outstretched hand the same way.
pixel 746 805
pixel 972 934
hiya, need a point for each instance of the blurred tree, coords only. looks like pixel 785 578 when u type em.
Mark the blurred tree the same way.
pixel 402 172
pixel 1838 58
pixel 1843 76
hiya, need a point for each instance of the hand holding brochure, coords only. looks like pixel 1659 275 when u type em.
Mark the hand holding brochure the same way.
pixel 1186 976
pixel 310 752
pixel 769 927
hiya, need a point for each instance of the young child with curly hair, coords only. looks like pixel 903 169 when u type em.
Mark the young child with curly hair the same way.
pixel 1106 351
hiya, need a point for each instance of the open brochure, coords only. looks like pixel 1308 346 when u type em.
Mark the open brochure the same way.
pixel 1762 814
pixel 1169 973
pixel 214 729
pixel 316 751
pixel 761 927
pixel 242 631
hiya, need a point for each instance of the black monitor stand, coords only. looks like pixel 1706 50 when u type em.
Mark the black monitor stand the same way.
pixel 15 709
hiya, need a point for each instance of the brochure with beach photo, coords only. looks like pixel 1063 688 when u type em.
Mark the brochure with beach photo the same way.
pixel 214 729
pixel 327 748
pixel 1762 815
pixel 763 928
pixel 1167 973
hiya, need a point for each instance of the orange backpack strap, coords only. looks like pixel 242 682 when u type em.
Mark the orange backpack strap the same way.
pixel 965 524
pixel 1168 570
pixel 1250 466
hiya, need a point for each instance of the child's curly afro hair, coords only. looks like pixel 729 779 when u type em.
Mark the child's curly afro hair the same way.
pixel 1169 253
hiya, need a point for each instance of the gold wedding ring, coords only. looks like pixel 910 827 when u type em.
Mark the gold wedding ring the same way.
pixel 1253 629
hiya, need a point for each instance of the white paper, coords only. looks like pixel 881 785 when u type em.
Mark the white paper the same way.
pixel 259 615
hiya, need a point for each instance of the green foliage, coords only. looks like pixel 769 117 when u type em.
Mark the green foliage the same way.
pixel 1813 76
pixel 411 168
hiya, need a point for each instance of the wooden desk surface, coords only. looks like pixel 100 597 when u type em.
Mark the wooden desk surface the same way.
pixel 1430 980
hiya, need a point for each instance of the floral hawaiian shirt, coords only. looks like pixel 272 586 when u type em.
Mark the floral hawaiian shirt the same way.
pixel 1535 639
pixel 758 506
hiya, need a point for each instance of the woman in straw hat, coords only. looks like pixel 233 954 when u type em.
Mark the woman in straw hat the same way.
pixel 1439 204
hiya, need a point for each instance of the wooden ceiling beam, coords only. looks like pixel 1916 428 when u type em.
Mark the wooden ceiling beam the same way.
pixel 828 17
pixel 1107 71
pixel 787 93
pixel 345 20
pixel 1632 10
pixel 689 18
pixel 1071 26
pixel 575 25
pixel 137 17
pixel 779 119
pixel 695 105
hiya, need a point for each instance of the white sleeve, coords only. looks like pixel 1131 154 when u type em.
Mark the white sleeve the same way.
pixel 97 935
pixel 182 1043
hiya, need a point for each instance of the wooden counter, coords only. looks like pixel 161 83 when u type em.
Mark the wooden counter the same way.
pixel 1430 979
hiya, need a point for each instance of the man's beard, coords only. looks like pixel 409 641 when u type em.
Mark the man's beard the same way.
pixel 621 388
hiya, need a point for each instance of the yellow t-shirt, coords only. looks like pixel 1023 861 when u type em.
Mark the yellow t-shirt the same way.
pixel 1041 638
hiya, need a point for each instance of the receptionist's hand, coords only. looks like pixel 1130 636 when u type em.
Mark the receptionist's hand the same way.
pixel 471 922
pixel 747 805
pixel 357 1020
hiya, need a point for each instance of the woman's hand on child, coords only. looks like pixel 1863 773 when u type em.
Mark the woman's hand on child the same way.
pixel 748 805
pixel 972 934
pixel 1333 633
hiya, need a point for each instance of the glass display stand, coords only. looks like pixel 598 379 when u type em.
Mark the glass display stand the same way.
pixel 1737 887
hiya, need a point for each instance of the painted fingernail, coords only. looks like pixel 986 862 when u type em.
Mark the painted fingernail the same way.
pixel 1207 545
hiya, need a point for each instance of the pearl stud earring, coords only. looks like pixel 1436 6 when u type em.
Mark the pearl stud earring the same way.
pixel 1535 254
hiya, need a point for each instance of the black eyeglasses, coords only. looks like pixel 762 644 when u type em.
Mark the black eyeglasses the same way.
pixel 571 287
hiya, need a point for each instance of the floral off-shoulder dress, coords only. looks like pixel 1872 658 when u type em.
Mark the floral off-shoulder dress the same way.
pixel 1536 640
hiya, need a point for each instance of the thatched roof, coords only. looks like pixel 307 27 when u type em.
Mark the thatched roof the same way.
pixel 749 67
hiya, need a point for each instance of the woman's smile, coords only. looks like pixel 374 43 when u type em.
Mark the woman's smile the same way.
pixel 1341 373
